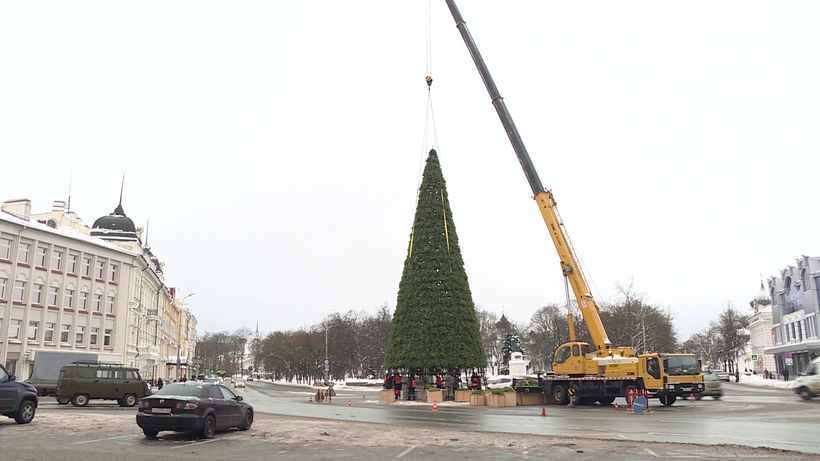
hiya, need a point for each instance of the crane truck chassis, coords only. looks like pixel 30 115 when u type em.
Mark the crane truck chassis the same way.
pixel 607 371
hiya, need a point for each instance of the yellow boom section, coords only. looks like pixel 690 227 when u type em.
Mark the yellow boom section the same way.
pixel 572 270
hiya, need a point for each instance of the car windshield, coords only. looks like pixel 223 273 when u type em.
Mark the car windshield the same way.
pixel 188 390
pixel 681 365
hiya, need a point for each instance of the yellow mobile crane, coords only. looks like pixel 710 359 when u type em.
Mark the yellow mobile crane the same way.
pixel 606 372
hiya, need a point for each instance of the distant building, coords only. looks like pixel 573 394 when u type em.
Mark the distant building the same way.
pixel 760 333
pixel 795 295
pixel 67 287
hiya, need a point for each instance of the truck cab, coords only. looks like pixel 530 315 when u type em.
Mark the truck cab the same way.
pixel 669 376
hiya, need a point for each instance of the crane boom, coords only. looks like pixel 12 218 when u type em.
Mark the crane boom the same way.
pixel 546 202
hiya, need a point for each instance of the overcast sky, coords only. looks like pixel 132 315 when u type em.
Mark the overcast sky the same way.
pixel 275 146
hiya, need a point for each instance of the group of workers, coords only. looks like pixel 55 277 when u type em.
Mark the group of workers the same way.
pixel 447 382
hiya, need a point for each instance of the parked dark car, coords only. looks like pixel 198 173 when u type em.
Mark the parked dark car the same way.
pixel 195 407
pixel 17 400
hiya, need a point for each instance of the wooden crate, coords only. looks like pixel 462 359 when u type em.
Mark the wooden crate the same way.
pixel 463 395
pixel 477 399
pixel 435 395
pixel 529 399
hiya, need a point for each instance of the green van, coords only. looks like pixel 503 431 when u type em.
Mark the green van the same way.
pixel 81 381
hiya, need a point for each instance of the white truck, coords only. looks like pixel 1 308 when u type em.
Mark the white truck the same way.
pixel 807 384
pixel 47 366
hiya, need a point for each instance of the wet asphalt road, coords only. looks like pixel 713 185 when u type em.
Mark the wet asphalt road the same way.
pixel 746 415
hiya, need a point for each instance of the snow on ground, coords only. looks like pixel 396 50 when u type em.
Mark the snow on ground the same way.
pixel 757 380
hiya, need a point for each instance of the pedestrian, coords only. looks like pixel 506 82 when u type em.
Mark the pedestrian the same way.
pixel 184 379
pixel 474 382
pixel 456 380
pixel 411 388
pixel 388 380
pixel 785 374
pixel 160 383
pixel 448 387
pixel 397 386
pixel 439 382
pixel 571 392
pixel 737 375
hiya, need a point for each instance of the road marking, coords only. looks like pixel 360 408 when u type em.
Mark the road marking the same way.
pixel 101 440
pixel 406 451
pixel 651 452
pixel 192 444
pixel 621 436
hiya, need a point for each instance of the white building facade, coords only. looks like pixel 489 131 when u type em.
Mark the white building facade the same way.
pixel 66 287
pixel 760 333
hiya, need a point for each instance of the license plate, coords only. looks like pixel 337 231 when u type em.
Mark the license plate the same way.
pixel 161 410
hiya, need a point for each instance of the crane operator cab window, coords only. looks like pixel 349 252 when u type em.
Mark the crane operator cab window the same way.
pixel 576 351
pixel 563 354
pixel 653 368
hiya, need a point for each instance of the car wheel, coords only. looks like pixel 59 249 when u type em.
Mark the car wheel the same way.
pixel 208 427
pixel 559 393
pixel 716 397
pixel 63 400
pixel 150 433
pixel 26 412
pixel 805 394
pixel 79 400
pixel 606 400
pixel 129 400
pixel 247 421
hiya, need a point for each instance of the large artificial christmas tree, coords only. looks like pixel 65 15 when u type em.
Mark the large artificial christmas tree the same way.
pixel 435 324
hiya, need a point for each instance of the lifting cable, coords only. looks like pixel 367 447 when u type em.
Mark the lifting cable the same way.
pixel 429 123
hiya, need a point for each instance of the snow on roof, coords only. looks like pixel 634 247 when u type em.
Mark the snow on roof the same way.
pixel 65 232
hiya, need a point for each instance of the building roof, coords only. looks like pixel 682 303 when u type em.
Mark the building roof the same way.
pixel 116 226
pixel 64 232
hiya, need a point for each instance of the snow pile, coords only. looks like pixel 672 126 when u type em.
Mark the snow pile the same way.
pixel 757 380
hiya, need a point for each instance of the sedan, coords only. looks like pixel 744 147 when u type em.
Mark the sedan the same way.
pixel 722 375
pixel 711 387
pixel 196 407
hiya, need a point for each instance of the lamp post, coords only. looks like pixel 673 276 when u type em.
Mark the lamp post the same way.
pixel 327 362
pixel 179 335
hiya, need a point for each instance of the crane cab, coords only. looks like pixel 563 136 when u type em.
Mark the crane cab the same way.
pixel 570 359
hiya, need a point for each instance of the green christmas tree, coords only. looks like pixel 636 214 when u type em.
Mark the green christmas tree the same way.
pixel 435 324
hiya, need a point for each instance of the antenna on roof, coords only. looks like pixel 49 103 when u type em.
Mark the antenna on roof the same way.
pixel 122 186
pixel 147 221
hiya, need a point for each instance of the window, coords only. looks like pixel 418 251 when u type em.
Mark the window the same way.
pixel 57 260
pixel 94 333
pixel 3 288
pixel 653 367
pixel 226 393
pixel 107 337
pixel 19 290
pixel 14 328
pixel 105 374
pixel 132 375
pixel 83 301
pixel 576 351
pixel 33 326
pixel 49 334
pixel 52 295
pixel 214 392
pixel 804 279
pixel 66 330
pixel 40 257
pixel 37 294
pixel 100 269
pixel 97 303
pixel 87 267
pixel 22 252
pixel 4 378
pixel 79 334
pixel 563 354
pixel 109 305
pixel 68 298
pixel 112 272
pixel 72 264
pixel 5 248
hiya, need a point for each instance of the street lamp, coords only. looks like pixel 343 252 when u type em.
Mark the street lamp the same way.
pixel 179 336
pixel 327 362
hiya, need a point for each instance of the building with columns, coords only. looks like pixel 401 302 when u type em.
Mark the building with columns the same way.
pixel 795 295
pixel 65 287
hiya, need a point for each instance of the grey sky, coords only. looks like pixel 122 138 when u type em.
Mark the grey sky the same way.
pixel 275 146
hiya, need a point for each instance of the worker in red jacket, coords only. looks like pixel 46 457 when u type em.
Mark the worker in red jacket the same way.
pixel 397 386
pixel 411 388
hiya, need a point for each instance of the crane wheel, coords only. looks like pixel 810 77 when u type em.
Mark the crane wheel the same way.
pixel 559 393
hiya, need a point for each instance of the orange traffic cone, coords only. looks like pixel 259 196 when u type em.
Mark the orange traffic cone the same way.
pixel 435 406
pixel 543 411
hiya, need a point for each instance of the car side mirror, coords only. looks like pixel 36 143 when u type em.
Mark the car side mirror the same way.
pixel 238 398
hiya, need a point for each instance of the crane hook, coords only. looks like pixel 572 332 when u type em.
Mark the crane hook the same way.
pixel 429 81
